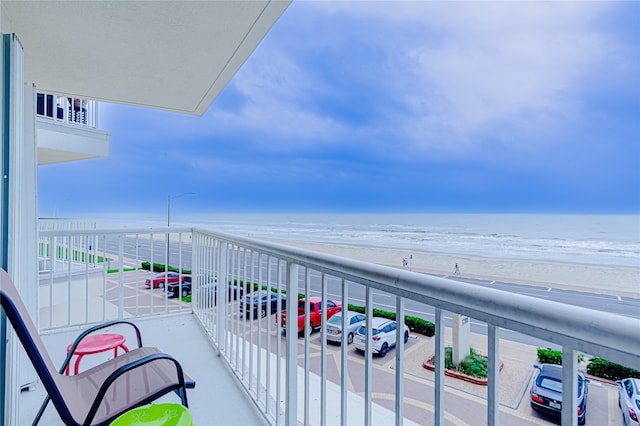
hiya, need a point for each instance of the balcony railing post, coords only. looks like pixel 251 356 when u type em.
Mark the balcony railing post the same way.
pixel 121 277
pixel 344 373
pixel 493 375
pixel 307 334
pixel 222 316
pixel 399 361
pixel 291 374
pixel 368 361
pixel 439 369
pixel 323 355
pixel 569 386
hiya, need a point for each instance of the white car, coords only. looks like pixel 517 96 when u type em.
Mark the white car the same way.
pixel 334 326
pixel 383 335
pixel 629 400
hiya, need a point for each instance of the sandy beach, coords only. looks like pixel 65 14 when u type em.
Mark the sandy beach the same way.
pixel 614 280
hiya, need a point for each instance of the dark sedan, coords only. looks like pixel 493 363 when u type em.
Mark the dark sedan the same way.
pixel 184 290
pixel 546 391
pixel 209 294
pixel 263 302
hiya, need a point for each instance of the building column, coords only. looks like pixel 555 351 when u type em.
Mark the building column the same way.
pixel 18 214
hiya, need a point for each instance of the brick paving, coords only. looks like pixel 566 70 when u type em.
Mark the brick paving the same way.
pixel 515 380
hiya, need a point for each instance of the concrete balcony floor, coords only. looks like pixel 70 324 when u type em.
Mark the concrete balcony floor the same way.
pixel 217 399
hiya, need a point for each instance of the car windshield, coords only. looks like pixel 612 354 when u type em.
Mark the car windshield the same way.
pixel 549 383
pixel 363 330
pixel 335 320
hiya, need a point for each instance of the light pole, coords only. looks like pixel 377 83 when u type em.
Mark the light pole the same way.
pixel 169 197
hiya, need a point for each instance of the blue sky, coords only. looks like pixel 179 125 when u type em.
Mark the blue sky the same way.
pixel 393 107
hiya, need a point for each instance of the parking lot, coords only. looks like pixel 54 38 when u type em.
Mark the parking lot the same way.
pixel 515 378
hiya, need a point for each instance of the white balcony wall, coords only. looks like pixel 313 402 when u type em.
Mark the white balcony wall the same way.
pixel 59 142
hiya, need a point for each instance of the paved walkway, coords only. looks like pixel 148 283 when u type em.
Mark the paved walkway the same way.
pixel 515 382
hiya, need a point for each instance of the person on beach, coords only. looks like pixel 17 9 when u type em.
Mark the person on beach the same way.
pixel 456 271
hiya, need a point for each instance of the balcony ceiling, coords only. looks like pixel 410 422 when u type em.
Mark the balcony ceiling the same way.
pixel 171 55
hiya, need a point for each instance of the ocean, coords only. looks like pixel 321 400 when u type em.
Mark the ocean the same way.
pixel 612 240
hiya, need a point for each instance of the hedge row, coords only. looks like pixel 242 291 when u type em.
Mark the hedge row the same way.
pixel 608 370
pixel 550 356
pixel 597 366
pixel 159 267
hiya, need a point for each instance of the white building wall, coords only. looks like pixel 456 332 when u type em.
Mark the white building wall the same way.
pixel 23 223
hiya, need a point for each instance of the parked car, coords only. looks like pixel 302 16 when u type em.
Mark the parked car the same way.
pixel 160 279
pixel 263 302
pixel 383 335
pixel 334 326
pixel 629 400
pixel 546 391
pixel 209 293
pixel 176 289
pixel 315 314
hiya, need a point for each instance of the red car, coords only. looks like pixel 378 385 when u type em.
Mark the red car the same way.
pixel 159 280
pixel 315 314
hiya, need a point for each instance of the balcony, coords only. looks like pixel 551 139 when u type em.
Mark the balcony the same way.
pixel 270 377
pixel 67 129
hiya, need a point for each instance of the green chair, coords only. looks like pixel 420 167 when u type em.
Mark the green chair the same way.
pixel 156 415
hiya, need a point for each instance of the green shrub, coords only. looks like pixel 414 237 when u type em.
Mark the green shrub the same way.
pixel 473 365
pixel 160 267
pixel 600 367
pixel 550 356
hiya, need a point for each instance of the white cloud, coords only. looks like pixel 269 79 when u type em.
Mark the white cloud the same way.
pixel 445 75
pixel 497 64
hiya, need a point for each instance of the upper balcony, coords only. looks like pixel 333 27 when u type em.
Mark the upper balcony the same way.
pixel 67 130
pixel 251 370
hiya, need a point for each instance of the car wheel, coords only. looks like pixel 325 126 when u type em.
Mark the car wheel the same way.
pixel 406 336
pixel 263 313
pixel 350 338
pixel 185 292
pixel 161 285
pixel 383 350
pixel 309 329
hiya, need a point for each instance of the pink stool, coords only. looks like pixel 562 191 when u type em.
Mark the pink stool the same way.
pixel 95 344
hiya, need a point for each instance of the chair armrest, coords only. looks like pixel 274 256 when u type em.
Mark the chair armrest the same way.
pixel 180 386
pixel 92 330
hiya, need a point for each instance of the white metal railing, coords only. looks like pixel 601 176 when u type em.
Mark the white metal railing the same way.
pixel 285 396
pixel 94 275
pixel 67 109
pixel 59 224
pixel 280 373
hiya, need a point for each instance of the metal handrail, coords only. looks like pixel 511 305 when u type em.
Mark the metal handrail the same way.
pixel 610 336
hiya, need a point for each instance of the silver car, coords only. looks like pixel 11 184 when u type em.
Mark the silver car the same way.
pixel 629 400
pixel 334 326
